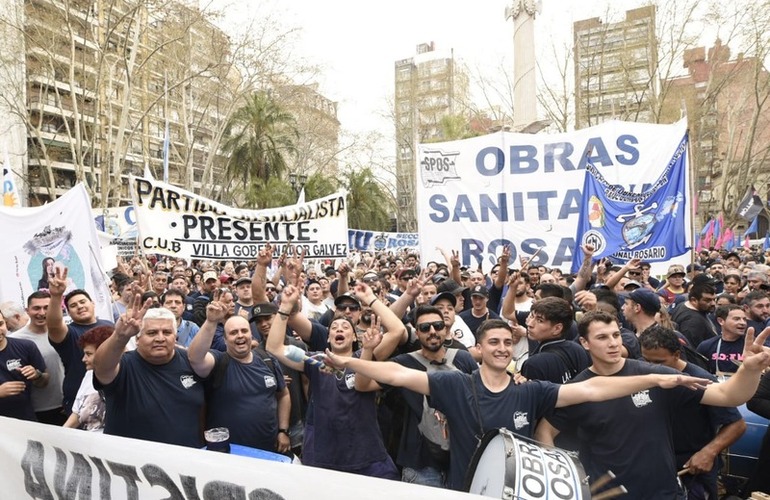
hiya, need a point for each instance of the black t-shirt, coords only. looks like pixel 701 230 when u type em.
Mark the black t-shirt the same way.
pixel 721 353
pixel 632 435
pixel 695 425
pixel 19 353
pixel 159 403
pixel 693 324
pixel 473 322
pixel 556 361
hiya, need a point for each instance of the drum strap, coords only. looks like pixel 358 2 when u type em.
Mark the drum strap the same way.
pixel 476 405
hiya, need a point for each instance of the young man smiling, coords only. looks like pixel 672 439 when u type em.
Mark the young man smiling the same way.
pixel 489 399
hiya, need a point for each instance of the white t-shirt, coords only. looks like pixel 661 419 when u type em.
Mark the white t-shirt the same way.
pixel 89 405
pixel 462 333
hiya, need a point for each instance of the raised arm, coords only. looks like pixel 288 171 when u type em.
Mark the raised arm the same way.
pixel 371 339
pixel 396 331
pixel 386 372
pixel 413 287
pixel 259 280
pixel 615 278
pixel 742 386
pixel 107 356
pixel 201 360
pixel 604 388
pixel 57 330
pixel 583 276
pixel 274 344
pixel 342 283
pixel 508 309
pixel 503 260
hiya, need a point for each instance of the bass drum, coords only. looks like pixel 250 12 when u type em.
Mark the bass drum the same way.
pixel 741 458
pixel 509 466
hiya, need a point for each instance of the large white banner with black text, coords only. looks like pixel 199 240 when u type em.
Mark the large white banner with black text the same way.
pixel 179 223
pixel 480 194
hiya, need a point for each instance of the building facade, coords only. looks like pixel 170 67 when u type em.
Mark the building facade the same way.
pixel 615 68
pixel 104 80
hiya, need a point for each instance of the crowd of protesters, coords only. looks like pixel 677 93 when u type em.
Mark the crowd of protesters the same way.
pixel 590 361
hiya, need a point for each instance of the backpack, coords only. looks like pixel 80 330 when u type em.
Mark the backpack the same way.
pixel 433 425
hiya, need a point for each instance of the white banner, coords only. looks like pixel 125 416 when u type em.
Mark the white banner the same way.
pixel 47 462
pixel 376 241
pixel 179 223
pixel 479 194
pixel 59 234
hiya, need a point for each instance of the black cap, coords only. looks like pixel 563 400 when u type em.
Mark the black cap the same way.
pixel 444 295
pixel 241 281
pixel 649 301
pixel 263 309
pixel 346 297
pixel 480 290
pixel 451 286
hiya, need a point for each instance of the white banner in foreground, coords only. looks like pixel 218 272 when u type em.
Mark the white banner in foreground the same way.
pixel 39 240
pixel 46 462
pixel 524 190
pixel 179 223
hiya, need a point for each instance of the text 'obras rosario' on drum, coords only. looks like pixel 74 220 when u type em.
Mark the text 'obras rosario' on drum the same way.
pixel 509 466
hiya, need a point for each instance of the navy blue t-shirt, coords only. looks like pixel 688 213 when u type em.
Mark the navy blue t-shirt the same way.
pixel 473 322
pixel 246 403
pixel 517 408
pixel 159 403
pixel 721 353
pixel 412 450
pixel 72 358
pixel 632 435
pixel 341 431
pixel 17 354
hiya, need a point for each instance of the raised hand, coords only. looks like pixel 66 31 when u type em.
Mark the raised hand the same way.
pixel 58 284
pixel 755 355
pixel 414 285
pixel 454 260
pixel 265 256
pixel 130 322
pixel 373 335
pixel 505 256
pixel 290 295
pixel 216 311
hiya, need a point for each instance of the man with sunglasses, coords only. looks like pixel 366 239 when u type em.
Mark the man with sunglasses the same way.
pixel 421 461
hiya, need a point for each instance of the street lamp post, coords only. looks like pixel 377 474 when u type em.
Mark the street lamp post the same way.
pixel 297 182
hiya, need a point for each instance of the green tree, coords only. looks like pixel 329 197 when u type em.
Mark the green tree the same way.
pixel 258 140
pixel 319 185
pixel 260 194
pixel 369 205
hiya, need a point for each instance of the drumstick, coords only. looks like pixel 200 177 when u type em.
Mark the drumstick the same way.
pixel 611 493
pixel 532 258
pixel 684 471
pixel 599 483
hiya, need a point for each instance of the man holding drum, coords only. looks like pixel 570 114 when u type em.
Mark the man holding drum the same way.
pixel 489 399
pixel 632 436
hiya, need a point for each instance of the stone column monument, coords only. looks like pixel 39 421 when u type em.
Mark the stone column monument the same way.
pixel 524 90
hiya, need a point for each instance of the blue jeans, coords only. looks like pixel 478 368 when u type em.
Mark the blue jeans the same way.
pixel 427 476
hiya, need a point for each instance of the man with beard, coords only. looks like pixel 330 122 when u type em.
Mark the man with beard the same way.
pixel 691 316
pixel 756 304
pixel 457 332
pixel 422 461
pixel 717 273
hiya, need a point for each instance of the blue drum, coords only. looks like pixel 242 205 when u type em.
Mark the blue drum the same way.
pixel 741 458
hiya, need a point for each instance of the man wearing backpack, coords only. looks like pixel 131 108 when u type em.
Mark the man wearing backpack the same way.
pixel 423 451
pixel 246 391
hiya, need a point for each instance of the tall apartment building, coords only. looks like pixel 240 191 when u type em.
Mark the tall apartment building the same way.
pixel 729 122
pixel 317 126
pixel 615 67
pixel 100 80
pixel 429 86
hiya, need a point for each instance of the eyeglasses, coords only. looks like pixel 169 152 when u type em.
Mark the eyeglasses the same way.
pixel 425 327
pixel 634 273
pixel 349 307
pixel 270 289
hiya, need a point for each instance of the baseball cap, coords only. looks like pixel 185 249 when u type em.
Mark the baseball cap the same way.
pixel 632 283
pixel 480 290
pixel 675 269
pixel 406 274
pixel 209 275
pixel 262 309
pixel 444 295
pixel 649 301
pixel 451 286
pixel 346 297
pixel 241 281
pixel 694 267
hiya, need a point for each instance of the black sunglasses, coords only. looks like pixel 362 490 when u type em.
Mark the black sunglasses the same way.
pixel 349 307
pixel 425 327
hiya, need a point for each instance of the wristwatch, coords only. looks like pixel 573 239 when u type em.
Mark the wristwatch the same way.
pixel 283 431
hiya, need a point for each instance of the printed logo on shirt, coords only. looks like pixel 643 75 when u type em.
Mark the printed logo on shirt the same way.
pixel 458 333
pixel 13 364
pixel 641 398
pixel 187 381
pixel 350 380
pixel 269 381
pixel 520 420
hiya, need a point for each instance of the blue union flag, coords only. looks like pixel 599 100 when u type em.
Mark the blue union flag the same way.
pixel 623 225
